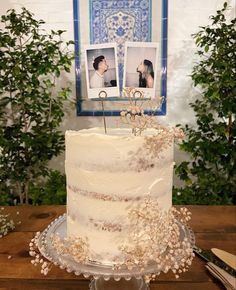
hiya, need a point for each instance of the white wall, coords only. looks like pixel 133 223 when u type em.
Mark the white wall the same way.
pixel 185 16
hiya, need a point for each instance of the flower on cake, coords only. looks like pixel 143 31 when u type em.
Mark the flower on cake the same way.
pixel 154 236
pixel 77 248
pixel 134 116
pixel 163 136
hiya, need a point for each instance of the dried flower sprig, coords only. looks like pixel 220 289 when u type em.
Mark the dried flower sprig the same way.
pixel 148 154
pixel 77 248
pixel 154 237
pixel 38 259
pixel 7 224
pixel 134 115
pixel 163 136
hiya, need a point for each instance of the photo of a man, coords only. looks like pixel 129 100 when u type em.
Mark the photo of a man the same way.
pixel 97 78
pixel 101 70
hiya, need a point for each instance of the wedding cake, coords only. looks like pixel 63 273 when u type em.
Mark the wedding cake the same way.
pixel 107 174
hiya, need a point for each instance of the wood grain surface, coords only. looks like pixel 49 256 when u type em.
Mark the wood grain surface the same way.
pixel 214 226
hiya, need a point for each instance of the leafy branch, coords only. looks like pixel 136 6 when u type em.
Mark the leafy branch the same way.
pixel 211 175
pixel 31 100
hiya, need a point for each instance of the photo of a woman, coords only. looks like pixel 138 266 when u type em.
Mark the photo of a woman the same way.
pixel 146 74
pixel 140 67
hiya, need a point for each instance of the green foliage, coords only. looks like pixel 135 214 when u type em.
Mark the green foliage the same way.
pixel 53 191
pixel 211 176
pixel 5 198
pixel 47 190
pixel 31 105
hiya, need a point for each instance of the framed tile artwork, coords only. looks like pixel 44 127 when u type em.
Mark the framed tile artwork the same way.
pixel 120 44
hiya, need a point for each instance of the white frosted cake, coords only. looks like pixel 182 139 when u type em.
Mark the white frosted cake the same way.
pixel 106 176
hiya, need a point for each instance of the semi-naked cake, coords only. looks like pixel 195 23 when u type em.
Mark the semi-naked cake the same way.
pixel 107 174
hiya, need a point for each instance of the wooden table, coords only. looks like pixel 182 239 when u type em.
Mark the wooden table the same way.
pixel 214 226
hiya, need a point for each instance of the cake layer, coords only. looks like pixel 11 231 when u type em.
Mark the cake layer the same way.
pixel 104 245
pixel 90 150
pixel 157 181
pixel 84 208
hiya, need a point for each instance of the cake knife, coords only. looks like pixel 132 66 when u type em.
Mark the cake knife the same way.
pixel 208 256
pixel 226 257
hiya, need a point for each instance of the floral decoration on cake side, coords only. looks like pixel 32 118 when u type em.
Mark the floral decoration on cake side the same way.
pixel 155 237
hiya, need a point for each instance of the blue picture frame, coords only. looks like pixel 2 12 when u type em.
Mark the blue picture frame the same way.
pixel 163 80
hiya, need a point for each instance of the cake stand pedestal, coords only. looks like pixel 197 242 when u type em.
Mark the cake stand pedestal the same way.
pixel 103 277
pixel 132 284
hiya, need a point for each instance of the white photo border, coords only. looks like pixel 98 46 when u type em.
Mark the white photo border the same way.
pixel 148 93
pixel 110 92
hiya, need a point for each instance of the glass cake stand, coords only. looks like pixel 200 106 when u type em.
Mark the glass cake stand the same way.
pixel 103 277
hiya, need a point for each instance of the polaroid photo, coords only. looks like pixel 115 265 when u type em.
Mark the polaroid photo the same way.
pixel 102 71
pixel 140 67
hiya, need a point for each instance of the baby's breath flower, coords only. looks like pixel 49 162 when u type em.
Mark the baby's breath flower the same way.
pixel 6 223
pixel 38 258
pixel 123 113
pixel 77 248
pixel 149 243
